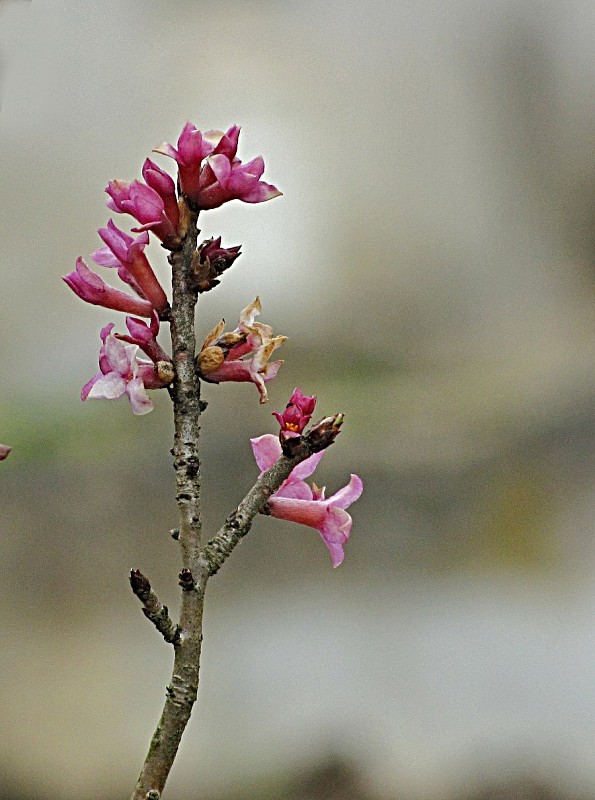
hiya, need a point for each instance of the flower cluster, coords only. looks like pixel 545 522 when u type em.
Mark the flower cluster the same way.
pixel 295 500
pixel 209 174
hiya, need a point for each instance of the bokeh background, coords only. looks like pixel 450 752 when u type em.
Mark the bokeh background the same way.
pixel 432 262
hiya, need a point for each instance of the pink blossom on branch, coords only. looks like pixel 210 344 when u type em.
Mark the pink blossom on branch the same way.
pixel 222 176
pixel 122 373
pixel 242 354
pixel 297 414
pixel 4 451
pixel 296 501
pixel 145 337
pixel 92 289
pixel 126 254
pixel 152 208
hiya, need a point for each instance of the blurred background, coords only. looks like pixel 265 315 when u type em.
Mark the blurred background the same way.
pixel 432 263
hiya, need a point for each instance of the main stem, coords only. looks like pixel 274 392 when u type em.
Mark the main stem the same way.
pixel 182 689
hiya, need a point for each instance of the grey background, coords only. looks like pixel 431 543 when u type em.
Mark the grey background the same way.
pixel 431 261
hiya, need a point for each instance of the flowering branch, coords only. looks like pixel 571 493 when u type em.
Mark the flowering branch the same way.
pixel 239 522
pixel 209 175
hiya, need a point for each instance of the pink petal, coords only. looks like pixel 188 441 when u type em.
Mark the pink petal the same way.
pixel 107 387
pixel 296 489
pixel 139 399
pixel 335 532
pixel 307 467
pixel 348 494
pixel 89 385
pixel 267 450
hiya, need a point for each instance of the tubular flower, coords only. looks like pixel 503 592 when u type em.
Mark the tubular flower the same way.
pixel 297 414
pixel 159 180
pixel 4 451
pixel 121 372
pixel 222 176
pixel 90 287
pixel 145 337
pixel 148 205
pixel 242 354
pixel 297 502
pixel 126 255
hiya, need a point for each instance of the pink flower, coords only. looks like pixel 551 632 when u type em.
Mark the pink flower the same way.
pixel 297 414
pixel 222 180
pixel 121 372
pixel 90 287
pixel 125 254
pixel 145 337
pixel 155 208
pixel 297 502
pixel 243 354
pixel 159 180
pixel 193 147
pixel 4 451
pixel 222 176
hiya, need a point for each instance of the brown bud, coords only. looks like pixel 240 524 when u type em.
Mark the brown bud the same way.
pixel 165 371
pixel 210 359
pixel 290 446
pixel 186 580
pixel 139 584
pixel 323 433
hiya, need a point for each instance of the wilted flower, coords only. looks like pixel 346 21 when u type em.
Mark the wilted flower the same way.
pixel 222 176
pixel 121 372
pixel 90 287
pixel 297 502
pixel 210 261
pixel 297 414
pixel 242 354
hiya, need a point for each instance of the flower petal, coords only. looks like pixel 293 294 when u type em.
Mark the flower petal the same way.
pixel 267 450
pixel 139 399
pixel 348 494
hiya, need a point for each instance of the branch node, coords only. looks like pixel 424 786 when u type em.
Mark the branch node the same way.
pixel 187 580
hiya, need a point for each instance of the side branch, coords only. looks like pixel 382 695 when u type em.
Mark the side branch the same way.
pixel 153 609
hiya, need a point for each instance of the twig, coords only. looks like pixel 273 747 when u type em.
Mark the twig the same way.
pixel 153 609
pixel 239 522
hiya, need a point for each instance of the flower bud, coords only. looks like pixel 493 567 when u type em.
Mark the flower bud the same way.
pixel 323 433
pixel 165 371
pixel 210 261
